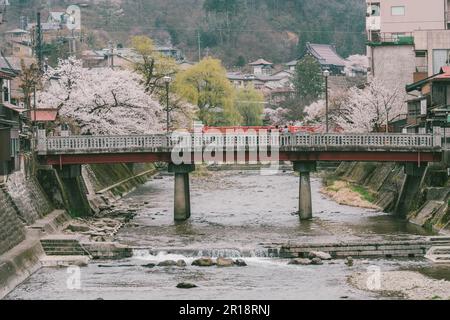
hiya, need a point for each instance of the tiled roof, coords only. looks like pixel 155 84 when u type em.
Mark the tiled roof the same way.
pixel 292 63
pixel 260 62
pixel 326 54
pixel 17 31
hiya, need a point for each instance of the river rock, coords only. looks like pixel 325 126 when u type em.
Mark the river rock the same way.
pixel 349 261
pixel 222 262
pixel 181 263
pixel 203 262
pixel 240 263
pixel 167 263
pixel 185 285
pixel 78 227
pixel 300 262
pixel 319 254
pixel 149 266
pixel 316 262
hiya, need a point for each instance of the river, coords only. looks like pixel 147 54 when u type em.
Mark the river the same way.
pixel 234 214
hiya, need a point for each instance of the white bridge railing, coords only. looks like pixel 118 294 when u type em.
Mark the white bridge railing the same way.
pixel 142 143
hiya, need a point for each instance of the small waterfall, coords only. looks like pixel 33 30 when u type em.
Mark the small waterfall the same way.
pixel 174 254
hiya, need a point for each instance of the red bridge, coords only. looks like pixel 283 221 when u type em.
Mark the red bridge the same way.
pixel 183 150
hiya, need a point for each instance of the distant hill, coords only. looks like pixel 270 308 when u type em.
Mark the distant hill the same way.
pixel 237 31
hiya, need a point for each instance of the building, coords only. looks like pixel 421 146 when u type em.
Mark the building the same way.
pixel 261 67
pixel 407 39
pixel 18 43
pixel 9 127
pixel 292 65
pixel 431 106
pixel 328 58
pixel 57 17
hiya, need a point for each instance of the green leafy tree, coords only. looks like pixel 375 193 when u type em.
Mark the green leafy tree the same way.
pixel 206 86
pixel 308 80
pixel 250 104
pixel 153 67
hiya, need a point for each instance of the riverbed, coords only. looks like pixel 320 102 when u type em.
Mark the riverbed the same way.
pixel 237 214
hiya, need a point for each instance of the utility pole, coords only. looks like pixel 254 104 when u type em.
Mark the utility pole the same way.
pixel 39 43
pixel 199 46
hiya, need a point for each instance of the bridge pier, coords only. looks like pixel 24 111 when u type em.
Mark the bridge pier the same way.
pixel 305 196
pixel 410 188
pixel 71 186
pixel 182 197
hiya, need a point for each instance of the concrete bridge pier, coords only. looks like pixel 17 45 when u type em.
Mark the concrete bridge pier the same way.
pixel 72 190
pixel 182 199
pixel 410 188
pixel 305 197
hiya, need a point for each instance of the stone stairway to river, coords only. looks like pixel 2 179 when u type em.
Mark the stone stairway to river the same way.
pixel 63 246
pixel 439 255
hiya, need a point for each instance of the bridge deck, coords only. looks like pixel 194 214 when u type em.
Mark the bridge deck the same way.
pixel 289 147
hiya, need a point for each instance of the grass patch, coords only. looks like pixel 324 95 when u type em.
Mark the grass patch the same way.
pixel 365 194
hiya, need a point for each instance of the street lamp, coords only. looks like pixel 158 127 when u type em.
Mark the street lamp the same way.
pixel 326 74
pixel 167 81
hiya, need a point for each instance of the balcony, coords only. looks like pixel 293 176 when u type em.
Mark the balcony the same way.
pixel 390 39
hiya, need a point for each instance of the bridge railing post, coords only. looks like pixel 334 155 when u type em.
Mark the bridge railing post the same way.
pixel 41 137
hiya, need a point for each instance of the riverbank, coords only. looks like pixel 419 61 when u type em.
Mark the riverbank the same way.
pixel 401 284
pixel 34 206
pixel 345 193
pixel 378 186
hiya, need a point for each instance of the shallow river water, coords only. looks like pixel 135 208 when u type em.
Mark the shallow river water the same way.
pixel 234 214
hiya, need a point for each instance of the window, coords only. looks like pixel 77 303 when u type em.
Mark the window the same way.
pixel 421 54
pixel 398 11
pixel 441 57
pixel 374 10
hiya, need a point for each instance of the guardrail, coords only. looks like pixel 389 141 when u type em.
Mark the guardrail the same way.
pixel 161 142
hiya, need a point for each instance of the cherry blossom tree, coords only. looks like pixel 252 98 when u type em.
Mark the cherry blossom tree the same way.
pixel 102 100
pixel 371 108
pixel 276 116
pixel 356 62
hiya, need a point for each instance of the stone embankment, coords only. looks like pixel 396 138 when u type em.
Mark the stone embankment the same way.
pixel 381 183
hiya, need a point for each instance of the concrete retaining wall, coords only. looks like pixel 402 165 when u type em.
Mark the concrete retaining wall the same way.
pixel 12 230
pixel 428 206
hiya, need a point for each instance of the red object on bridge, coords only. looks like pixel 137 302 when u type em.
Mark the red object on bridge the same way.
pixel 257 129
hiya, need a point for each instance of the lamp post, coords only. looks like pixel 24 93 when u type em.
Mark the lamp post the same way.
pixel 167 81
pixel 326 74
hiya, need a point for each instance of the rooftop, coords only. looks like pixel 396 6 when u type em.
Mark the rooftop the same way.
pixel 260 62
pixel 43 115
pixel 443 75
pixel 16 31
pixel 326 54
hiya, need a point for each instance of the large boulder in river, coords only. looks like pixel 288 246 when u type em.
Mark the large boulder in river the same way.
pixel 316 262
pixel 185 285
pixel 319 254
pixel 222 262
pixel 181 263
pixel 300 262
pixel 167 263
pixel 203 262
pixel 240 263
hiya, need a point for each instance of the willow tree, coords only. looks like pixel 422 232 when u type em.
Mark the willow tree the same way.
pixel 206 86
pixel 250 105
